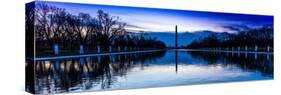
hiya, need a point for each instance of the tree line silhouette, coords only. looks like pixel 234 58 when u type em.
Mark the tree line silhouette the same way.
pixel 256 39
pixel 55 28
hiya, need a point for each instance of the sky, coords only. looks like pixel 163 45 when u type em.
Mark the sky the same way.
pixel 164 20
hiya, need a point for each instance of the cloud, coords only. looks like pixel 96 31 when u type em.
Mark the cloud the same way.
pixel 236 28
pixel 134 26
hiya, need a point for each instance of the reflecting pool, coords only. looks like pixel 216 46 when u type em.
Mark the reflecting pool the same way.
pixel 150 69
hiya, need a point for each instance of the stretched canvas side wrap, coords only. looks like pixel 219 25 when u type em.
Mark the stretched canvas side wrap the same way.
pixel 72 47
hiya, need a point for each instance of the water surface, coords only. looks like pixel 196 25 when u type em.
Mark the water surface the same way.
pixel 153 69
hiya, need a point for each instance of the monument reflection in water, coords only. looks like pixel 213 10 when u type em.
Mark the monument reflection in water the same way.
pixel 153 69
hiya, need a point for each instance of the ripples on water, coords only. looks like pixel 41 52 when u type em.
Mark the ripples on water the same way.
pixel 154 69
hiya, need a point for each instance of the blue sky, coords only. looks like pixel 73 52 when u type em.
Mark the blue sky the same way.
pixel 163 20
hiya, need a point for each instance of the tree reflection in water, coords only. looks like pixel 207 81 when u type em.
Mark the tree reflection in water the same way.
pixel 104 72
pixel 247 61
pixel 84 73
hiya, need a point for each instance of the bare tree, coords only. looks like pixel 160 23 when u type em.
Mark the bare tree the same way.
pixel 56 29
pixel 45 22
